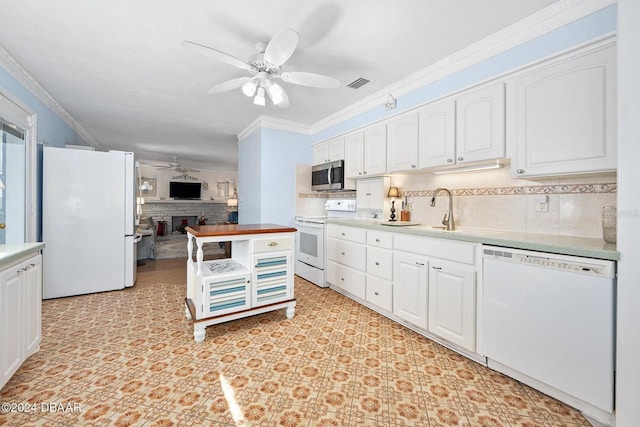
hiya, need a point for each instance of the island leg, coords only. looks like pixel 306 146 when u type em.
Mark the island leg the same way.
pixel 290 312
pixel 187 313
pixel 199 332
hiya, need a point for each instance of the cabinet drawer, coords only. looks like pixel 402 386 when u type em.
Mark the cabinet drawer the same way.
pixel 380 262
pixel 380 239
pixel 269 245
pixel 347 279
pixel 380 293
pixel 438 248
pixel 352 234
pixel 347 253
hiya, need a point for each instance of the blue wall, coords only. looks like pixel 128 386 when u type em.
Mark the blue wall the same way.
pixel 51 128
pixel 250 179
pixel 267 162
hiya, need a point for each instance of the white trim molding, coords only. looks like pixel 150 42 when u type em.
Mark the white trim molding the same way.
pixel 269 122
pixel 25 79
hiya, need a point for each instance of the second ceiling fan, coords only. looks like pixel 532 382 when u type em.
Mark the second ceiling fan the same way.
pixel 264 68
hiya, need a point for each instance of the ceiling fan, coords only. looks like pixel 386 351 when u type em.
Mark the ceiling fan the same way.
pixel 264 68
pixel 176 166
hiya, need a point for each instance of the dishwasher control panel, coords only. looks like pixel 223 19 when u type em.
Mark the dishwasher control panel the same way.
pixel 572 264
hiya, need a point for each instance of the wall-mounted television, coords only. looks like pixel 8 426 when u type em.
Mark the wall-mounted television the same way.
pixel 184 190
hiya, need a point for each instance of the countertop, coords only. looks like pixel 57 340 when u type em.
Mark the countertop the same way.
pixel 566 245
pixel 14 251
pixel 237 229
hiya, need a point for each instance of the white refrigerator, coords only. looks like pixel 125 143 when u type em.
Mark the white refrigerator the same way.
pixel 88 221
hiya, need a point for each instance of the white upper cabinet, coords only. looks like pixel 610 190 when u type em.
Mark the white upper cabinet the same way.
pixel 375 149
pixel 354 154
pixel 563 115
pixel 328 151
pixel 402 143
pixel 366 152
pixel 480 124
pixel 465 129
pixel 437 131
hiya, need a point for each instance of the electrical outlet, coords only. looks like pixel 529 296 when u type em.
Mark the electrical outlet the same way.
pixel 542 203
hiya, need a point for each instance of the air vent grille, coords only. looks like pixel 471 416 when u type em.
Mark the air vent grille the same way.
pixel 357 83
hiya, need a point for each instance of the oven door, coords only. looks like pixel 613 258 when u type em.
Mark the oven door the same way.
pixel 310 244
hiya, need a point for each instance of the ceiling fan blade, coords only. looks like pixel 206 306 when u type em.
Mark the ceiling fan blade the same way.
pixel 220 55
pixel 309 79
pixel 228 85
pixel 281 47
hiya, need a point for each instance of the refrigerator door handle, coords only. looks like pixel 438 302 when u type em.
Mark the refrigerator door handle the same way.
pixel 137 237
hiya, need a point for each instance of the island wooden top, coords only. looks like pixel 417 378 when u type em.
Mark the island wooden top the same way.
pixel 237 229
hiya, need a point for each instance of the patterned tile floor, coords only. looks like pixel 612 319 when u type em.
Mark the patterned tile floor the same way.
pixel 128 358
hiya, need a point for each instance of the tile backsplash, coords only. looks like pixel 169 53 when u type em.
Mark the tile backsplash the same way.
pixel 493 199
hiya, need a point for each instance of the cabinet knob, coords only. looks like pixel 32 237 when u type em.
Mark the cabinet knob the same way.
pixel 376 293
pixel 342 253
pixel 359 173
pixel 377 240
pixel 419 263
pixel 377 263
pixel 368 194
pixel 272 244
pixel 449 160
pixel 364 173
pixel 520 171
pixel 413 166
pixel 342 234
pixel 460 158
pixel 436 268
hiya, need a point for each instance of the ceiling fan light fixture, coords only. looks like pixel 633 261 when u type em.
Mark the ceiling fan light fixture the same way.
pixel 259 99
pixel 249 88
pixel 276 93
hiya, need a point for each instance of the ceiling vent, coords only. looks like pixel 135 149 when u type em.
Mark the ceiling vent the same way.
pixel 357 83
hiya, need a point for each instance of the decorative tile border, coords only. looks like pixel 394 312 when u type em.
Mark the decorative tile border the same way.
pixel 495 191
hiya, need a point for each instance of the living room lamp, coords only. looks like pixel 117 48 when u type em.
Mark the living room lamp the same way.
pixel 393 193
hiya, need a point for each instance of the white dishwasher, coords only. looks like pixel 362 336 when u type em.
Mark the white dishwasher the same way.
pixel 548 321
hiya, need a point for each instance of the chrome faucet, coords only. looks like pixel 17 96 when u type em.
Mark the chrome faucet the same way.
pixel 448 220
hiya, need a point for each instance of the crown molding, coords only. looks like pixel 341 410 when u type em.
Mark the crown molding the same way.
pixel 269 122
pixel 535 25
pixel 26 80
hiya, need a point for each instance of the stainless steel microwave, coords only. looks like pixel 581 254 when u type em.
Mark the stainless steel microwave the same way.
pixel 328 176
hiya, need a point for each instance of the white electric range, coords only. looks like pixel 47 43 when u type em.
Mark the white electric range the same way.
pixel 310 238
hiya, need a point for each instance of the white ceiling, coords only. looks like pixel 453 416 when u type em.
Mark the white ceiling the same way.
pixel 118 67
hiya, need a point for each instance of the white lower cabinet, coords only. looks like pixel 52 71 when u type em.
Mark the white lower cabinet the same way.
pixel 429 283
pixel 346 278
pixel 410 288
pixel 452 303
pixel 20 314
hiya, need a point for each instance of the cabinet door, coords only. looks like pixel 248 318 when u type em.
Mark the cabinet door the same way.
pixel 565 116
pixel 452 303
pixel 32 325
pixel 380 262
pixel 480 124
pixel 336 149
pixel 11 313
pixel 402 143
pixel 321 153
pixel 410 288
pixel 437 134
pixel 375 149
pixel 354 154
pixel 346 278
pixel 272 278
pixel 370 193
